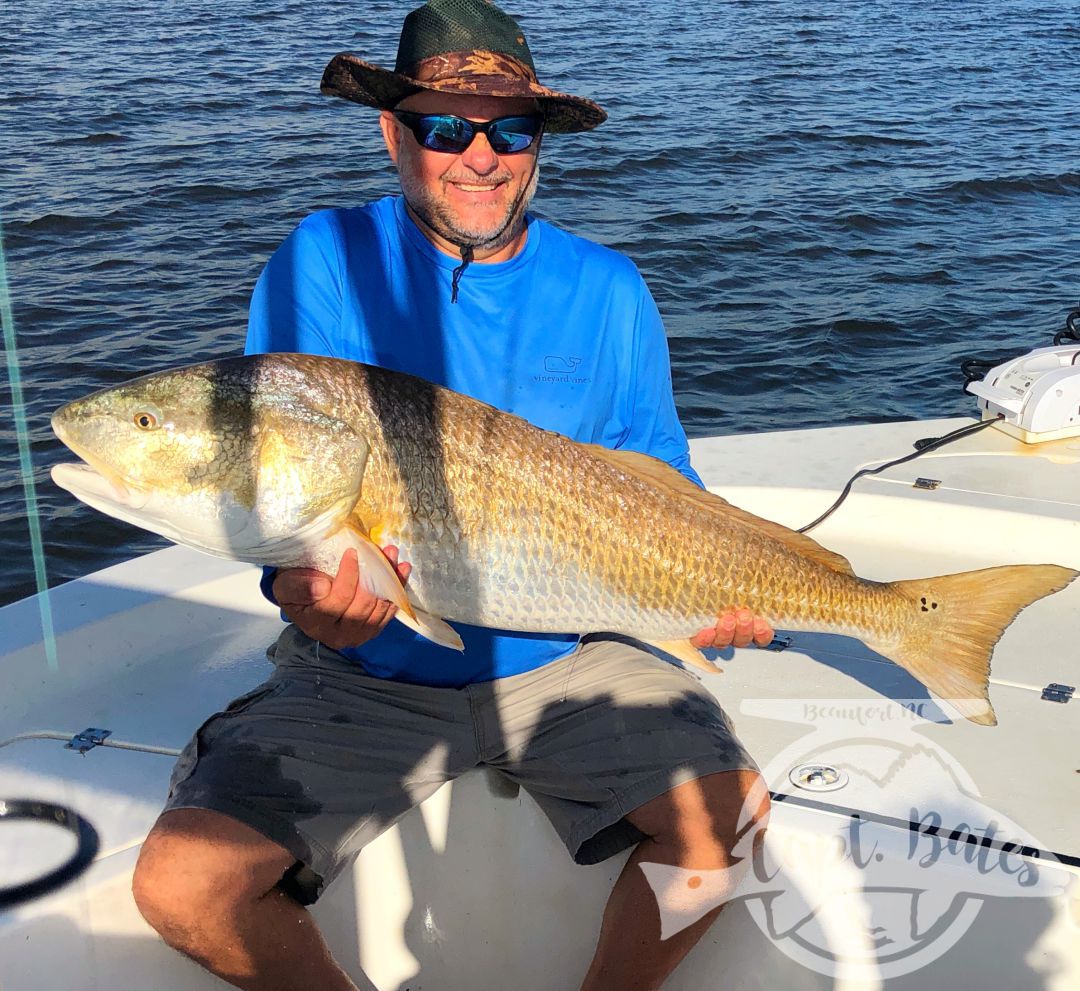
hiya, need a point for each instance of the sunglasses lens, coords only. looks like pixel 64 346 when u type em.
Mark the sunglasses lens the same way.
pixel 513 134
pixel 444 133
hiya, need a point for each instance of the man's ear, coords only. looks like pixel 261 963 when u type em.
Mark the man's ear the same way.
pixel 391 134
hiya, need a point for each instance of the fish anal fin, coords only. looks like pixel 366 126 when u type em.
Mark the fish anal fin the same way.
pixel 661 475
pixel 685 652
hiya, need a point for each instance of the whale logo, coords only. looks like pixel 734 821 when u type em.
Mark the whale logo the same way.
pixel 557 365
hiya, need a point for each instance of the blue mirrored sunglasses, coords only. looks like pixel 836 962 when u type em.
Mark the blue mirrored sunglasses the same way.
pixel 447 133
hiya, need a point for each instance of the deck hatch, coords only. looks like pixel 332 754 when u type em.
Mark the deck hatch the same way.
pixel 818 777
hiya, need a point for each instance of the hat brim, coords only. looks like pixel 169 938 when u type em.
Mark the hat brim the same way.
pixel 354 79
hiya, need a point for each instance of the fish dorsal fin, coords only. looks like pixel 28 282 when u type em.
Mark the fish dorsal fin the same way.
pixel 662 476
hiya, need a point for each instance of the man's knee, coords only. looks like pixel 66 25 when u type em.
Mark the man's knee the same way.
pixel 731 825
pixel 713 819
pixel 197 868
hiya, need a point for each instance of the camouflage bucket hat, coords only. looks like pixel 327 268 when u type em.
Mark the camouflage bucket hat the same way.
pixel 458 46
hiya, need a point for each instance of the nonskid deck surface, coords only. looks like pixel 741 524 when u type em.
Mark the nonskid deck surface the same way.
pixel 149 648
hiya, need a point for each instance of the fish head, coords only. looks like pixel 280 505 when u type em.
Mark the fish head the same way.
pixel 232 457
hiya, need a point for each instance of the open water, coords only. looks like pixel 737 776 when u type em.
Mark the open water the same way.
pixel 832 202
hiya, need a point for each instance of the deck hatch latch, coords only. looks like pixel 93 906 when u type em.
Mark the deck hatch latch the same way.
pixel 778 644
pixel 1058 693
pixel 88 739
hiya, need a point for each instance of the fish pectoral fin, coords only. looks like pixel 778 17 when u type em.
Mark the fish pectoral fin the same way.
pixel 283 492
pixel 385 583
pixel 661 475
pixel 687 653
pixel 381 577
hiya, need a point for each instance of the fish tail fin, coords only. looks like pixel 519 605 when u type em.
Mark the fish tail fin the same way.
pixel 957 620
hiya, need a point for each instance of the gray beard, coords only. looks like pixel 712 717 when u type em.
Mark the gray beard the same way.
pixel 433 212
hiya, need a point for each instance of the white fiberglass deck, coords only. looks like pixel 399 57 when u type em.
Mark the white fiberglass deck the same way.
pixel 473 890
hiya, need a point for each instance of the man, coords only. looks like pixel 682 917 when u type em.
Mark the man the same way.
pixel 453 281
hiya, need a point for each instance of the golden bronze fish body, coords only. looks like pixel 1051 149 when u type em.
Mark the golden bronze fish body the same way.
pixel 511 526
pixel 508 525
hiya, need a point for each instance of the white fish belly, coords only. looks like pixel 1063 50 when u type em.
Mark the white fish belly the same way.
pixel 498 586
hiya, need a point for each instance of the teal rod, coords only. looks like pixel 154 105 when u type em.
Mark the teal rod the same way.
pixel 26 466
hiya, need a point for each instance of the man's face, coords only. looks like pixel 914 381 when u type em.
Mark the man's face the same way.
pixel 477 197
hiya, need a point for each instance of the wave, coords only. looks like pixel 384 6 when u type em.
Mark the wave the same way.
pixel 67 223
pixel 1007 187
pixel 101 138
pixel 865 223
pixel 936 277
pixel 15 99
pixel 867 331
pixel 856 140
pixel 213 193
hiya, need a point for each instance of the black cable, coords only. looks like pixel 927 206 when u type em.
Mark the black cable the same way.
pixel 921 447
pixel 974 369
pixel 57 815
pixel 1071 331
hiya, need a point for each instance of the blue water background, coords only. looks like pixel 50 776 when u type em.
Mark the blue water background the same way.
pixel 833 203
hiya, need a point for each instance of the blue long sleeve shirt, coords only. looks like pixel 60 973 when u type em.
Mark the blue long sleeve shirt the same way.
pixel 564 334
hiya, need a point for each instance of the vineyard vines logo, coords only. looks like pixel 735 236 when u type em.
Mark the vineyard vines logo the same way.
pixel 857 899
pixel 560 369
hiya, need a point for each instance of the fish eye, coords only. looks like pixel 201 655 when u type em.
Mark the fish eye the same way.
pixel 146 419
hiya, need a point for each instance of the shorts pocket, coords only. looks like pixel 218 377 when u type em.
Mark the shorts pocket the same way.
pixel 197 746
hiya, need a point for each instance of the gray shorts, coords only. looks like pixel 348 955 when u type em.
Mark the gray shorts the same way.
pixel 322 757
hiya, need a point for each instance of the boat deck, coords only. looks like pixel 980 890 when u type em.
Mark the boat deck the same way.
pixel 473 888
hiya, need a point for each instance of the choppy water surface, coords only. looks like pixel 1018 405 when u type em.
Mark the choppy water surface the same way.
pixel 833 203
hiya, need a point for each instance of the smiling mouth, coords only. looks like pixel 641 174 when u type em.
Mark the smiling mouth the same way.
pixel 473 187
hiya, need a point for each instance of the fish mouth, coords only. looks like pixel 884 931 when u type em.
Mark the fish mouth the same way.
pixel 98 488
pixel 94 478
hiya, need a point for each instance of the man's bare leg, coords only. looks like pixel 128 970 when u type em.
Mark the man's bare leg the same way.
pixel 206 883
pixel 694 826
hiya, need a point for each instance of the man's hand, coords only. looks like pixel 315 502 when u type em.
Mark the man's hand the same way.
pixel 339 612
pixel 738 628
